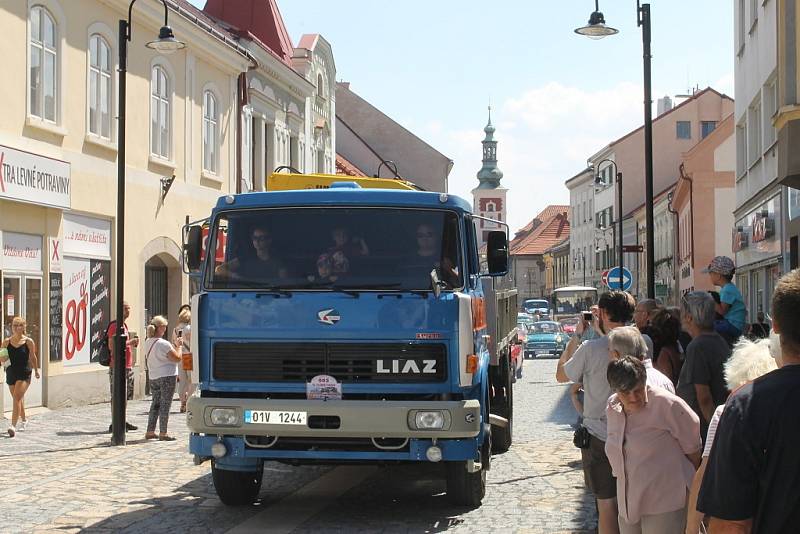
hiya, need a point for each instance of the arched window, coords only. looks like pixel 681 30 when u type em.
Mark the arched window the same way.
pixel 320 86
pixel 210 132
pixel 99 87
pixel 44 67
pixel 160 112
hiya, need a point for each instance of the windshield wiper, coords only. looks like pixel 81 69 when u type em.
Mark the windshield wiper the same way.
pixel 326 285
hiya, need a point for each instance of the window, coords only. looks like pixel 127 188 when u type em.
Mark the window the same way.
pixel 741 148
pixel 160 101
pixel 320 86
pixel 754 135
pixel 706 127
pixel 43 73
pixel 683 130
pixel 99 87
pixel 753 13
pixel 770 93
pixel 210 132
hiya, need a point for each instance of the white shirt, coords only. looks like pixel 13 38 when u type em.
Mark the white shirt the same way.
pixel 712 430
pixel 656 378
pixel 159 364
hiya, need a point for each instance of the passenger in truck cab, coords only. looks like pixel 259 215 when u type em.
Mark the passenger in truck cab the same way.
pixel 345 249
pixel 260 264
pixel 430 255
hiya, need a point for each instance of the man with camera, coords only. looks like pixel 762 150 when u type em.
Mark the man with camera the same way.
pixel 585 361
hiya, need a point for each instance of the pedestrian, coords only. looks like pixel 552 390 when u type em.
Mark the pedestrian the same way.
pixel 587 363
pixel 669 358
pixel 184 330
pixel 654 448
pixel 130 343
pixel 751 480
pixel 760 329
pixel 162 362
pixel 641 318
pixel 628 341
pixel 23 361
pixel 683 336
pixel 701 382
pixel 731 305
pixel 748 361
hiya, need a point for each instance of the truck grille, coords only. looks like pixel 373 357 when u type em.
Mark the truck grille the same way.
pixel 347 362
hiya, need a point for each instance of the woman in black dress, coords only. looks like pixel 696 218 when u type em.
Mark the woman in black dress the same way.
pixel 23 362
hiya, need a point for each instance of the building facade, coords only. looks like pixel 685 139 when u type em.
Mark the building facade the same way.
pixel 664 241
pixel 582 230
pixel 787 124
pixel 528 249
pixel 557 266
pixel 58 146
pixel 703 204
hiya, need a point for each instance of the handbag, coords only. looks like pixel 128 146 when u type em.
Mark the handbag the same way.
pixel 4 358
pixel 581 437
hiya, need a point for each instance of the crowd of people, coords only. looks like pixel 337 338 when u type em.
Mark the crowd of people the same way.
pixel 687 423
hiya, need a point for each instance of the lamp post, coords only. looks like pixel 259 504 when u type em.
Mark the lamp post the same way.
pixel 165 43
pixel 597 29
pixel 598 181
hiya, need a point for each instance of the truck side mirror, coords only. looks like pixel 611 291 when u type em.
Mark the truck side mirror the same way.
pixel 497 253
pixel 193 248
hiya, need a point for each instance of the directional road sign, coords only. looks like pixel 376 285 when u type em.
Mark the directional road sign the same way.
pixel 613 279
pixel 632 248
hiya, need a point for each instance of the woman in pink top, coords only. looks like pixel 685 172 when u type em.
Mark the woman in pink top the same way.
pixel 654 449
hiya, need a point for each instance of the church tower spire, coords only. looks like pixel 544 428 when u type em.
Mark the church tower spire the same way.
pixel 489 197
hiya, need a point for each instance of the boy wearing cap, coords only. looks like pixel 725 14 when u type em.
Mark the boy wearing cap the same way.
pixel 731 305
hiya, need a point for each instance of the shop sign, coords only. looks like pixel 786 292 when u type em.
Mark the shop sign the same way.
pixel 21 252
pixel 55 255
pixel 763 226
pixel 86 236
pixel 756 236
pixel 32 178
pixel 85 307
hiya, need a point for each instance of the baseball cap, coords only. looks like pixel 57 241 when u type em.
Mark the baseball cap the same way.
pixel 722 265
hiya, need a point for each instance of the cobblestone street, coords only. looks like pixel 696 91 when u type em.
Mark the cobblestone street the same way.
pixel 62 476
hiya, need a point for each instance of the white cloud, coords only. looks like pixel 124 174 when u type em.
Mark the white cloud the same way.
pixel 545 136
pixel 725 85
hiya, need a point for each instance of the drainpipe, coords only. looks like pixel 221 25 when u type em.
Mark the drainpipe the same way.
pixel 686 177
pixel 242 99
pixel 677 243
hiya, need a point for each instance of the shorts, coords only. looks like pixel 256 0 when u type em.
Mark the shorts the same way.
pixel 597 470
pixel 15 375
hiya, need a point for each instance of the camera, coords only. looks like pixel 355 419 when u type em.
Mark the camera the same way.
pixel 588 316
pixel 180 333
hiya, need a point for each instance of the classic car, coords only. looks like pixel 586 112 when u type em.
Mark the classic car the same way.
pixel 545 338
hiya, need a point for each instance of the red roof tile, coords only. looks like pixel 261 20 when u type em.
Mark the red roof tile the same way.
pixel 548 213
pixel 346 168
pixel 552 231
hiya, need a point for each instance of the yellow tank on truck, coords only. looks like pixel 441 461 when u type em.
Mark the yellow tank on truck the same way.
pixel 293 181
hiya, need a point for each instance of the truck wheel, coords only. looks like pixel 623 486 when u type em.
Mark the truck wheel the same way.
pixel 468 489
pixel 236 488
pixel 502 437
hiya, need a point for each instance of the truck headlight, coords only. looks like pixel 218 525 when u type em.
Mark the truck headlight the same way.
pixel 224 417
pixel 429 420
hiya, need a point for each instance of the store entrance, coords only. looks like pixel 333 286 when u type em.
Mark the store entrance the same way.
pixel 22 296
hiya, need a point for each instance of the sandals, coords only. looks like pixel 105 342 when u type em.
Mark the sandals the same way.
pixel 165 437
pixel 150 435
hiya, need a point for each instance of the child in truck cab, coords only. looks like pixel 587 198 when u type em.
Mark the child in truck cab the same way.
pixel 345 249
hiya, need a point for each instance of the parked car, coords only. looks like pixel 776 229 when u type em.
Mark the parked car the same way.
pixel 545 338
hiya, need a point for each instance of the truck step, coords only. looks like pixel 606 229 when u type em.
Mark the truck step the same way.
pixel 496 420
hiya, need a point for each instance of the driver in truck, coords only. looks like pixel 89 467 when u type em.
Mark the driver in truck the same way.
pixel 429 253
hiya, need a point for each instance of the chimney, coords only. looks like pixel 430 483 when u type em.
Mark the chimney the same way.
pixel 345 85
pixel 664 105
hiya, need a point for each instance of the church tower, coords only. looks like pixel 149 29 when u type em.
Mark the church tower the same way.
pixel 489 198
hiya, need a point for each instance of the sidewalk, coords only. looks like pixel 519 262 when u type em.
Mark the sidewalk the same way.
pixel 61 474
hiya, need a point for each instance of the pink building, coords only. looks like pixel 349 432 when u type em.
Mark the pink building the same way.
pixel 704 200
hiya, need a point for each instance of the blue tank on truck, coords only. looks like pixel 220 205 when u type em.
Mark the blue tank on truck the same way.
pixel 348 325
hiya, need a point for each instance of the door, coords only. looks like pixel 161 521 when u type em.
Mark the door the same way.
pixel 155 289
pixel 22 296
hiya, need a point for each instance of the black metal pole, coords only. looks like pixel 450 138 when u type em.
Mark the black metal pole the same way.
pixel 584 269
pixel 619 214
pixel 118 401
pixel 644 22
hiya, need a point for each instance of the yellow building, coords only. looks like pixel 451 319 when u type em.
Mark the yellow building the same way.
pixel 58 158
pixel 787 122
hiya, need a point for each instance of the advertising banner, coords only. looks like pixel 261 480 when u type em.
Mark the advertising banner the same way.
pixel 56 317
pixel 86 236
pixel 100 302
pixel 21 252
pixel 76 289
pixel 28 177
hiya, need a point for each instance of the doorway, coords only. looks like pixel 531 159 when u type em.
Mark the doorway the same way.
pixel 156 289
pixel 22 296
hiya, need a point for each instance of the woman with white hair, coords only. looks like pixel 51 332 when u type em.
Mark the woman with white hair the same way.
pixel 162 363
pixel 748 361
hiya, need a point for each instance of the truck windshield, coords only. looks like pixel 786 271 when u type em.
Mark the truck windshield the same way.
pixel 335 248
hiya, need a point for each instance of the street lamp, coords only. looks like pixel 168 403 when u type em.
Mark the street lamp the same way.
pixel 166 43
pixel 596 30
pixel 599 181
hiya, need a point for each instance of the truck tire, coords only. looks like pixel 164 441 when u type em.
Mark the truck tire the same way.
pixel 503 405
pixel 468 489
pixel 236 488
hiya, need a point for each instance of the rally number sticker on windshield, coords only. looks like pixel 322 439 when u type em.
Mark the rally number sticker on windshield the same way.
pixel 263 417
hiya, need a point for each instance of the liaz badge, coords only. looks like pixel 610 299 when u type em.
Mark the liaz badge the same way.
pixel 323 387
pixel 328 316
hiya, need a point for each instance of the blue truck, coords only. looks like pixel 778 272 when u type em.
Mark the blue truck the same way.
pixel 349 325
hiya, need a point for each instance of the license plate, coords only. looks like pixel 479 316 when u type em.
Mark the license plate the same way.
pixel 264 417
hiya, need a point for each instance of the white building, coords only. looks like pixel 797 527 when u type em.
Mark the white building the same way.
pixel 760 200
pixel 582 230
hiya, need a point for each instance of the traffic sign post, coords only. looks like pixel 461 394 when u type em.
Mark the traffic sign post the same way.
pixel 633 248
pixel 613 279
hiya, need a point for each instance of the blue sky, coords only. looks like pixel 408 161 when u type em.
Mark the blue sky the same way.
pixel 557 97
